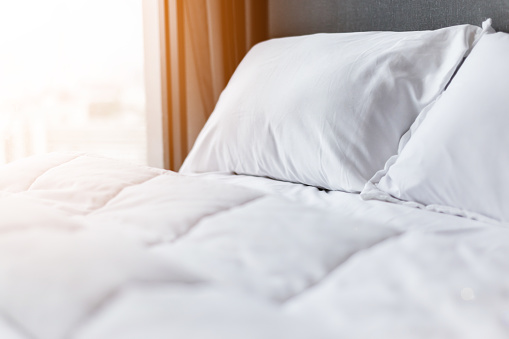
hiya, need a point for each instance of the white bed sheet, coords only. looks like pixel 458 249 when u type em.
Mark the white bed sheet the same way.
pixel 95 248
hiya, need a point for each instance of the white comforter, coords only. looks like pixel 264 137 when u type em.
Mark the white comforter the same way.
pixel 95 248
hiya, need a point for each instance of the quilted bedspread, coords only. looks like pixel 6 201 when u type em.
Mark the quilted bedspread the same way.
pixel 96 248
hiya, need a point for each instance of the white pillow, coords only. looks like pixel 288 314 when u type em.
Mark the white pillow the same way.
pixel 457 159
pixel 329 109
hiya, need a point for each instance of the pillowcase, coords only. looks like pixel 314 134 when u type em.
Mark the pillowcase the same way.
pixel 326 110
pixel 456 160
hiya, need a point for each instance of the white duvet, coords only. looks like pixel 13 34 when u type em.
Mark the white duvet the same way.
pixel 95 248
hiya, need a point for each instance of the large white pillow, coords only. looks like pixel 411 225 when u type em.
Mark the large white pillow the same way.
pixel 457 159
pixel 329 109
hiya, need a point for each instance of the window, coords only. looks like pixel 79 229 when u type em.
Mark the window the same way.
pixel 71 78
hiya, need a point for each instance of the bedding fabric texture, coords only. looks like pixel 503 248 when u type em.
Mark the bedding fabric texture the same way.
pixel 455 161
pixel 327 110
pixel 93 248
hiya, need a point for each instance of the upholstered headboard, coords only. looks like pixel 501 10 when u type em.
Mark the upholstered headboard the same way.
pixel 297 17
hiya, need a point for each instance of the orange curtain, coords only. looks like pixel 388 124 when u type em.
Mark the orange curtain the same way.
pixel 206 40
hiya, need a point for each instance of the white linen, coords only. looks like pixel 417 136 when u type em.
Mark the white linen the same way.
pixel 326 110
pixel 455 160
pixel 264 259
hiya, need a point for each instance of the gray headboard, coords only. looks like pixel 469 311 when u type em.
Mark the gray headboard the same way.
pixel 297 17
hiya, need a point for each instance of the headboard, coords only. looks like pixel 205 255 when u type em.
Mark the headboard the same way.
pixel 297 17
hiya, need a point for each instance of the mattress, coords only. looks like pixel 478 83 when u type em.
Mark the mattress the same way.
pixel 96 248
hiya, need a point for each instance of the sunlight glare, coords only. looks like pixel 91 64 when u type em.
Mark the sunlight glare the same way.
pixel 67 62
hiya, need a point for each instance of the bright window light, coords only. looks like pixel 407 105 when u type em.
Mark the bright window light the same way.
pixel 71 78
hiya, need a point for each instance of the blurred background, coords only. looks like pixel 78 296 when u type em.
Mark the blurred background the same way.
pixel 71 78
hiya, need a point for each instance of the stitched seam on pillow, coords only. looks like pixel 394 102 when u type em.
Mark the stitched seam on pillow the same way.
pixel 435 208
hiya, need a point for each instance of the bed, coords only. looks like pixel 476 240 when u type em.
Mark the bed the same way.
pixel 410 240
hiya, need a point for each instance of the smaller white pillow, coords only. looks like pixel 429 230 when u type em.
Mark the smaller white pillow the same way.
pixel 326 110
pixel 457 159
